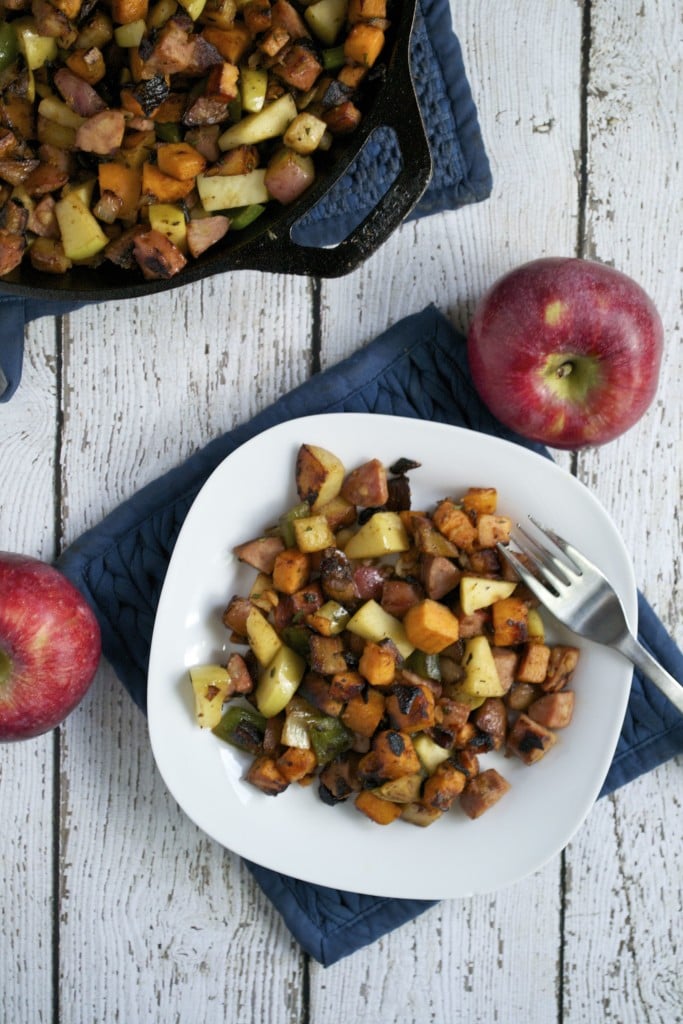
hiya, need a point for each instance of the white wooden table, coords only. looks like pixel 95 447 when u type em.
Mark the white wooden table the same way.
pixel 113 907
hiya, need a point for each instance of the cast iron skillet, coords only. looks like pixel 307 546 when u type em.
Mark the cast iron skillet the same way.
pixel 388 101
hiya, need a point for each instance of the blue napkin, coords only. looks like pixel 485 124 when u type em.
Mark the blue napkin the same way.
pixel 418 368
pixel 460 175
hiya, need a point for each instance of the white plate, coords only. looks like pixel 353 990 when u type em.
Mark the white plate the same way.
pixel 296 833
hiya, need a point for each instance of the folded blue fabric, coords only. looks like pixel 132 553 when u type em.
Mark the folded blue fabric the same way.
pixel 418 368
pixel 461 172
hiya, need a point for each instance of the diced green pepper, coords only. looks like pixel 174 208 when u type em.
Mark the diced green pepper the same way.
pixel 333 58
pixel 424 665
pixel 298 638
pixel 299 511
pixel 245 215
pixel 329 737
pixel 242 727
pixel 336 615
pixel 9 49
pixel 168 131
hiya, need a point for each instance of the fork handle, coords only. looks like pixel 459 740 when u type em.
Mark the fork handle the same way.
pixel 642 659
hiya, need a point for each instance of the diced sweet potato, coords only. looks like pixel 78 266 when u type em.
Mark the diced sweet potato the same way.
pixel 364 712
pixel 394 753
pixel 533 663
pixel 180 160
pixel 443 786
pixel 294 763
pixel 411 707
pixel 430 626
pixel 382 812
pixel 482 500
pixel 554 710
pixel 529 740
pixel 455 524
pixel 561 668
pixel 266 776
pixel 363 44
pixel 509 618
pixel 482 792
pixel 291 570
pixel 493 529
pixel 378 663
pixel 345 685
pixel 162 186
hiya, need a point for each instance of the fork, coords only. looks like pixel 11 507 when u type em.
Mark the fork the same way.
pixel 577 593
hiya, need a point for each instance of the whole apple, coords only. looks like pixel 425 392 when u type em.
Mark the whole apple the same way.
pixel 566 351
pixel 50 647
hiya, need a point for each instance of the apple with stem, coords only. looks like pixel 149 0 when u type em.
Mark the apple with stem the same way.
pixel 50 647
pixel 566 351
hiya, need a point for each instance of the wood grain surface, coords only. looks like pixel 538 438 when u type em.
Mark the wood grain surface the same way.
pixel 113 906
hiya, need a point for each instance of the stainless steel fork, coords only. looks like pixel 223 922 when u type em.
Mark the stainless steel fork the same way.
pixel 580 597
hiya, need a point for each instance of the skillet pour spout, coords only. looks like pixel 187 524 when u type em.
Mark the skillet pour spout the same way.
pixel 268 244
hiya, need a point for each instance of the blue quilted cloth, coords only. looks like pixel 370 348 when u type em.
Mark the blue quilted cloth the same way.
pixel 418 368
pixel 460 174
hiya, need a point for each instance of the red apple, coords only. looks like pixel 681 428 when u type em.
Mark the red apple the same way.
pixel 49 647
pixel 566 351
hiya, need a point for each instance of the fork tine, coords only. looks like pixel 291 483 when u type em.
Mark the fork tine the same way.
pixel 580 562
pixel 547 564
pixel 535 585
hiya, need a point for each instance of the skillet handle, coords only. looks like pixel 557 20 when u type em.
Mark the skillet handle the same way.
pixel 398 110
pixel 11 345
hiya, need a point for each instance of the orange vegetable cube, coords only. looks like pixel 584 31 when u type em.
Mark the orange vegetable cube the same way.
pixel 231 43
pixel 533 663
pixel 382 812
pixel 480 500
pixel 125 182
pixel 510 622
pixel 363 44
pixel 378 663
pixel 455 524
pixel 180 160
pixel 123 12
pixel 291 570
pixel 364 712
pixel 430 626
pixel 162 186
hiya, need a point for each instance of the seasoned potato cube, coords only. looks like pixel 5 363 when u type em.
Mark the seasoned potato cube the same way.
pixel 313 533
pixel 482 500
pixel 443 786
pixel 481 675
pixel 364 712
pixel 367 485
pixel 382 812
pixel 533 663
pixel 211 684
pixel 529 740
pixel 455 524
pixel 418 814
pixel 411 707
pixel 482 792
pixel 430 626
pixel 509 618
pixel 291 570
pixel 561 667
pixel 554 710
pixel 403 790
pixel 319 475
pixel 480 592
pixel 383 534
pixel 378 662
pixel 493 529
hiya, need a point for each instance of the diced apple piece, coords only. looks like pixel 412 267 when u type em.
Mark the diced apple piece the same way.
pixel 268 123
pixel 263 640
pixel 82 236
pixel 481 676
pixel 35 49
pixel 279 681
pixel 219 192
pixel 372 623
pixel 313 533
pixel 211 684
pixel 480 592
pixel 253 88
pixel 326 18
pixel 383 534
pixel 319 475
pixel 430 753
pixel 305 132
pixel 170 220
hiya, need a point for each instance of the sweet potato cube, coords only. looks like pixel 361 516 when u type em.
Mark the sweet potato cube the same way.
pixel 124 12
pixel 366 10
pixel 533 663
pixel 162 186
pixel 125 182
pixel 493 529
pixel 231 43
pixel 509 618
pixel 430 626
pixel 345 685
pixel 291 570
pixel 455 524
pixel 482 792
pixel 266 776
pixel 180 160
pixel 364 712
pixel 411 707
pixel 529 740
pixel 553 710
pixel 378 663
pixel 222 81
pixel 561 667
pixel 382 812
pixel 395 754
pixel 87 64
pixel 443 786
pixel 482 500
pixel 295 763
pixel 363 44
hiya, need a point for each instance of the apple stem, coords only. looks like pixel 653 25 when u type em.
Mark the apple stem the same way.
pixel 565 369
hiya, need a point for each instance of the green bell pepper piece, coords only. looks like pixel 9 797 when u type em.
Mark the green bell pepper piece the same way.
pixel 9 48
pixel 242 727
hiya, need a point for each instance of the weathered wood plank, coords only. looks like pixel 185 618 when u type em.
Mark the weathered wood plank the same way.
pixel 27 519
pixel 178 920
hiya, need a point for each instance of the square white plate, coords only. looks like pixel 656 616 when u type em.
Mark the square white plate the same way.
pixel 296 833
